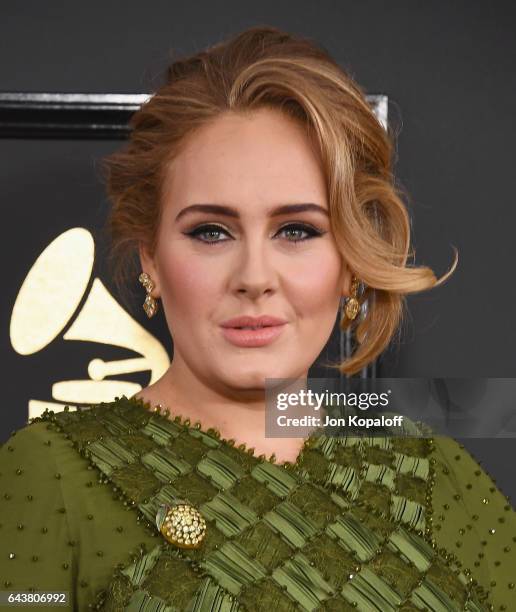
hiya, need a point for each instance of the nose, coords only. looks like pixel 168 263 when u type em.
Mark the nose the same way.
pixel 254 273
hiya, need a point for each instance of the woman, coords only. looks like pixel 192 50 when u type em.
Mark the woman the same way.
pixel 256 183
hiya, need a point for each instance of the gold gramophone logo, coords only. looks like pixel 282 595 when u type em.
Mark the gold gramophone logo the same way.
pixel 48 300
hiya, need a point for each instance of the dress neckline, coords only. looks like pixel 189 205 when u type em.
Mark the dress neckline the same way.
pixel 168 415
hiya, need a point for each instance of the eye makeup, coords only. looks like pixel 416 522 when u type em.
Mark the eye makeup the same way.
pixel 308 229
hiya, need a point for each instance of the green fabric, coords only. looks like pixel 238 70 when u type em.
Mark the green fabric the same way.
pixel 371 524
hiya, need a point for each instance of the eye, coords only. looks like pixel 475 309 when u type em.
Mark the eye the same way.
pixel 207 230
pixel 294 232
pixel 297 229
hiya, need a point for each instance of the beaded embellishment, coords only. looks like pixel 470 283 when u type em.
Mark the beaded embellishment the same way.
pixel 181 524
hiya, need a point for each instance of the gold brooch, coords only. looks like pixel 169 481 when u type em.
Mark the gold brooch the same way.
pixel 181 524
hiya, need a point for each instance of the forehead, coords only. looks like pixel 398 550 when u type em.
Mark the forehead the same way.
pixel 238 159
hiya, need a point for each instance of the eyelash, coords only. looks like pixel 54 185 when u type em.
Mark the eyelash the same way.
pixel 202 229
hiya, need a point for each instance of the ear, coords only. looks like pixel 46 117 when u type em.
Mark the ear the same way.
pixel 148 266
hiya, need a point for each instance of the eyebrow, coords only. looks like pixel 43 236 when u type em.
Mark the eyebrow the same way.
pixel 228 211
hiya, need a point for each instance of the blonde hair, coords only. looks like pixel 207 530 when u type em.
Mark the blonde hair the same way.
pixel 264 67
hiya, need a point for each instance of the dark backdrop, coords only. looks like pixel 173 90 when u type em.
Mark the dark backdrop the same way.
pixel 448 69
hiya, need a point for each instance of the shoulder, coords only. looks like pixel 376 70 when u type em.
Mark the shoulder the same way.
pixel 461 484
pixel 58 436
pixel 463 470
pixel 36 462
pixel 48 457
pixel 94 421
pixel 36 445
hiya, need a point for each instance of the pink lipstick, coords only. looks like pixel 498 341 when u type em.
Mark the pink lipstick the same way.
pixel 247 331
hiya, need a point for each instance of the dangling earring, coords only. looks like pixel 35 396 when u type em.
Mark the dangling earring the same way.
pixel 150 305
pixel 352 306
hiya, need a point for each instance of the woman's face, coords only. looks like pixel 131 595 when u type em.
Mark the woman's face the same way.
pixel 228 246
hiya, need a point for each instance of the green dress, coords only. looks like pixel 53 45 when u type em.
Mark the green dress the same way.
pixel 369 524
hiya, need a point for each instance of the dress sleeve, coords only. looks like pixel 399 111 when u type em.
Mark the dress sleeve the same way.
pixel 61 528
pixel 35 554
pixel 474 521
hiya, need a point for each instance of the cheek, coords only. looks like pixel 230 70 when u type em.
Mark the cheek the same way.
pixel 186 281
pixel 317 283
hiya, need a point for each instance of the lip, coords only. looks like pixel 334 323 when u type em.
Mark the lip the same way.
pixel 252 337
pixel 263 320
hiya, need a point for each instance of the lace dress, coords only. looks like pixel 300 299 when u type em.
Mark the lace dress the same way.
pixel 368 524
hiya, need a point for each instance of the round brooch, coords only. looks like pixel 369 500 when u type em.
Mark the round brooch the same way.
pixel 181 524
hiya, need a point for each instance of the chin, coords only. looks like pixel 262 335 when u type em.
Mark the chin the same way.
pixel 254 378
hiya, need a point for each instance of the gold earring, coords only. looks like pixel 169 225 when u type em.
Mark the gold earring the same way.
pixel 352 307
pixel 150 305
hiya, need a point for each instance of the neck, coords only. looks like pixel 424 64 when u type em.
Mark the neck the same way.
pixel 237 413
